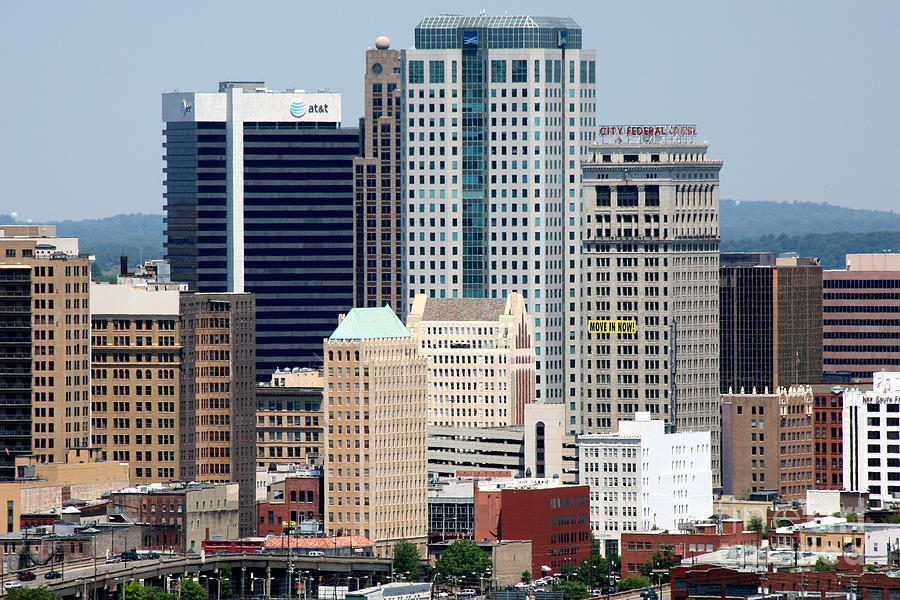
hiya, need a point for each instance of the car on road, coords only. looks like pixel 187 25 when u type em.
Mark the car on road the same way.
pixel 467 592
pixel 316 553
pixel 53 575
pixel 649 594
pixel 12 585
pixel 25 576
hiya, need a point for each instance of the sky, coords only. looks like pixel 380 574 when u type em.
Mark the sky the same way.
pixel 798 98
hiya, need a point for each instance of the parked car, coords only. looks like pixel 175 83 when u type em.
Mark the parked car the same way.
pixel 649 594
pixel 467 592
pixel 53 575
pixel 12 585
pixel 26 576
pixel 316 553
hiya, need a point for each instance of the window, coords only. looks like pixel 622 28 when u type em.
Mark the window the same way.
pixel 519 71
pixel 417 71
pixel 498 71
pixel 436 71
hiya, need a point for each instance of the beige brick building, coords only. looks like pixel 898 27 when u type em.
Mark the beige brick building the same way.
pixel 135 398
pixel 481 359
pixel 767 442
pixel 218 393
pixel 44 345
pixel 376 469
pixel 289 419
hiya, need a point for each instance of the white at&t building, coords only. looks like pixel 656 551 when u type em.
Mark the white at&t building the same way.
pixel 871 423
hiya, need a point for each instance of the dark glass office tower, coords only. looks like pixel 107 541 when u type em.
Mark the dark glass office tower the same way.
pixel 259 198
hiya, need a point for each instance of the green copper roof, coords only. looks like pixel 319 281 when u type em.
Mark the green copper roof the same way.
pixel 369 324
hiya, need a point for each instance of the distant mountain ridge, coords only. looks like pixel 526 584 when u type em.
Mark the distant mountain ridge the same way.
pixel 810 229
pixel 744 220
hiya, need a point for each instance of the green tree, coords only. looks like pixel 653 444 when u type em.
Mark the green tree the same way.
pixel 134 590
pixel 571 590
pixel 407 560
pixel 526 576
pixel 461 560
pixel 823 564
pixel 663 559
pixel 634 582
pixel 226 587
pixel 38 593
pixel 191 590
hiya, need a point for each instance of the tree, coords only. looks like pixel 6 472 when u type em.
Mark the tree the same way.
pixel 526 576
pixel 39 593
pixel 823 564
pixel 634 582
pixel 663 559
pixel 191 590
pixel 407 560
pixel 571 590
pixel 134 590
pixel 463 561
pixel 226 588
pixel 757 525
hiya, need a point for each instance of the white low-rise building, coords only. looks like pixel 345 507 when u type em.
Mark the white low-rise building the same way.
pixel 643 477
pixel 871 424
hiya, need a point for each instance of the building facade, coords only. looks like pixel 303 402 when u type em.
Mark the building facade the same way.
pixel 295 499
pixel 770 321
pixel 376 417
pixel 861 323
pixel 259 198
pixel 44 345
pixel 642 478
pixel 767 442
pixel 555 517
pixel 182 515
pixel 378 185
pixel 651 294
pixel 218 395
pixel 289 419
pixel 828 433
pixel 136 379
pixel 498 115
pixel 481 359
pixel 871 427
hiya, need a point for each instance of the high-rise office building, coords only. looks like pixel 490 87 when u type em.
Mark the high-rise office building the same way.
pixel 651 281
pixel 861 317
pixel 499 111
pixel 480 359
pixel 218 394
pixel 289 419
pixel 136 378
pixel 259 198
pixel 44 345
pixel 375 428
pixel 770 321
pixel 377 185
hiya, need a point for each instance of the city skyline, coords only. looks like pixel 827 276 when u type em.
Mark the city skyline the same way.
pixel 743 95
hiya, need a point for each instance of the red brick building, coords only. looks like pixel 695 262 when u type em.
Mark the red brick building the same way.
pixel 638 547
pixel 707 582
pixel 297 498
pixel 555 517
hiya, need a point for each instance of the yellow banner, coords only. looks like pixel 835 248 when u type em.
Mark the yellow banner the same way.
pixel 617 326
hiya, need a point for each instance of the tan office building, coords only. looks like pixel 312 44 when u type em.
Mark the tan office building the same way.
pixel 44 345
pixel 377 186
pixel 481 359
pixel 376 469
pixel 136 378
pixel 767 442
pixel 289 419
pixel 218 403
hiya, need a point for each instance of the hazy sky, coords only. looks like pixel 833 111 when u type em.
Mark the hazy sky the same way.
pixel 800 99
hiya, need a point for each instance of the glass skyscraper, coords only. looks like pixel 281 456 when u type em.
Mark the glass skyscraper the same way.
pixel 498 115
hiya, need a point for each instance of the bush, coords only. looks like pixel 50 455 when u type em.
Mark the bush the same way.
pixel 634 582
